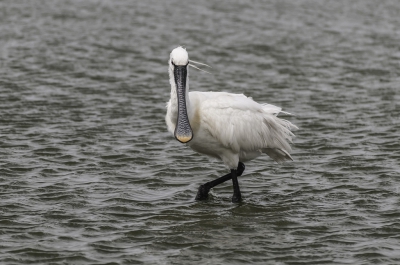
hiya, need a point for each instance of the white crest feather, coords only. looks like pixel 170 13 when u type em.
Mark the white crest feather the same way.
pixel 191 61
pixel 198 68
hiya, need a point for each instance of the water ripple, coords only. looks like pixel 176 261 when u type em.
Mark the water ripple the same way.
pixel 89 174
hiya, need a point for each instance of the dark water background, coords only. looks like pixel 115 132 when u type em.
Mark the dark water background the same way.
pixel 89 174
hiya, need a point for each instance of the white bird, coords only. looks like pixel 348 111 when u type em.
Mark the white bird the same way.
pixel 230 127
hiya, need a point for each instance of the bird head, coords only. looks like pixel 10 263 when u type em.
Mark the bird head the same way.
pixel 179 60
pixel 179 57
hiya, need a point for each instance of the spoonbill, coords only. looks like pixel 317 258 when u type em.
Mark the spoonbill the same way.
pixel 230 127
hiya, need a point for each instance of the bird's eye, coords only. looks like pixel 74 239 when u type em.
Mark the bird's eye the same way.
pixel 172 63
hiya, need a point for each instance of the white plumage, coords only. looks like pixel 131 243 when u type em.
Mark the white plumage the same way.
pixel 230 127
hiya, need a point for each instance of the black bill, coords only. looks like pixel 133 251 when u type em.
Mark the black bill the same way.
pixel 183 132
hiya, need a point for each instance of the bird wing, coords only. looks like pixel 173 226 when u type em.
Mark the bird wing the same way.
pixel 241 124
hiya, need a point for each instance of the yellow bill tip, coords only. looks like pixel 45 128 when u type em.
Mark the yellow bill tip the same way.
pixel 183 139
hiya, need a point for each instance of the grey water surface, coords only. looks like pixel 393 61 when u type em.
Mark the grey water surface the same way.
pixel 90 175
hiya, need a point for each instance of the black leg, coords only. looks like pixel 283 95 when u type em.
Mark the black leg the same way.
pixel 237 196
pixel 204 189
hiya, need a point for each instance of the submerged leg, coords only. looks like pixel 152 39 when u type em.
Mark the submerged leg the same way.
pixel 202 193
pixel 237 196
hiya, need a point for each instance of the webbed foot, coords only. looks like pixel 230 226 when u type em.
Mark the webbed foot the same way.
pixel 202 193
